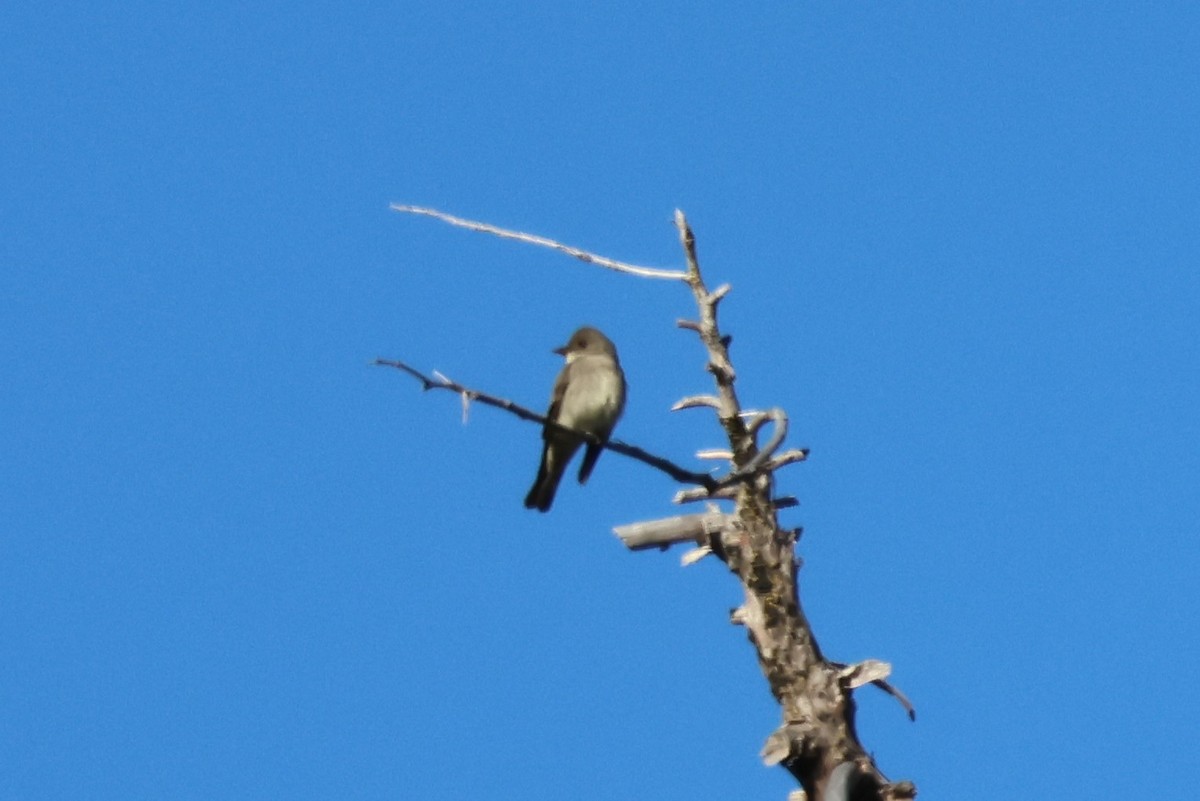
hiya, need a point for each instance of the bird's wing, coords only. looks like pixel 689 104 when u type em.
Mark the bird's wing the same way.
pixel 556 398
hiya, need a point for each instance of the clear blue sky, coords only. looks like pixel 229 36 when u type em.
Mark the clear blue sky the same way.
pixel 237 562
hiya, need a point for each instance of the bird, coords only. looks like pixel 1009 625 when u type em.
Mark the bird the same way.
pixel 589 396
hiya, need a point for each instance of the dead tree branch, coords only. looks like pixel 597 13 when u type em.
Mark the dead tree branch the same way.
pixel 818 733
pixel 669 531
pixel 816 741
pixel 582 255
pixel 680 474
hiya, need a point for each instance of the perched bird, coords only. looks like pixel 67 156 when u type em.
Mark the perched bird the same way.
pixel 589 395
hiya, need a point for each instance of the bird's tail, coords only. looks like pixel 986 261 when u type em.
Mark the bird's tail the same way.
pixel 550 471
pixel 590 455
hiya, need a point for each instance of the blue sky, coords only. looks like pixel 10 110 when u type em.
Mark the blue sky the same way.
pixel 238 562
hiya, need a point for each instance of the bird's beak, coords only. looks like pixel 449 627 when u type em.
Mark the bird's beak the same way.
pixel 560 351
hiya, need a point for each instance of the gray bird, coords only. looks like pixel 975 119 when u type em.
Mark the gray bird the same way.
pixel 589 395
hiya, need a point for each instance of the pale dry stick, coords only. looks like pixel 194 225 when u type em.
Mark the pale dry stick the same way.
pixel 727 406
pixel 582 255
pixel 696 401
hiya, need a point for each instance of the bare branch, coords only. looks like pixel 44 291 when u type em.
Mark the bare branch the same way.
pixel 786 458
pixel 754 421
pixel 818 733
pixel 680 474
pixel 873 671
pixel 718 354
pixel 688 240
pixel 696 401
pixel 777 748
pixel 504 233
pixel 717 294
pixel 723 493
pixel 670 530
pixel 426 384
pixel 676 472
pixel 864 672
pixel 900 697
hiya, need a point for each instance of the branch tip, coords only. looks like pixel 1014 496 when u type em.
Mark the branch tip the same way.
pixel 717 294
pixel 722 492
pixel 777 747
pixel 694 401
pixel 541 241
pixel 869 670
pixel 788 457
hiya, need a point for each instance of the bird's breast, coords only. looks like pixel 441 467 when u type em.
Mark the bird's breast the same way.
pixel 594 397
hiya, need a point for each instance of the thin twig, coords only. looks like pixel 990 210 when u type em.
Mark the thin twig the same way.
pixel 582 255
pixel 786 458
pixel 900 697
pixel 694 401
pixel 717 294
pixel 680 474
pixel 706 327
pixel 724 492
